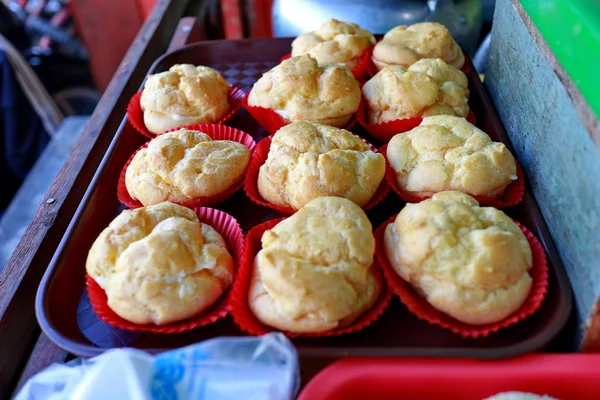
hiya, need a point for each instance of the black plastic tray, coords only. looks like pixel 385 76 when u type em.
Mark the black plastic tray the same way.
pixel 65 315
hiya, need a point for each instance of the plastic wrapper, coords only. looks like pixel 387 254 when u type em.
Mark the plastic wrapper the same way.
pixel 225 368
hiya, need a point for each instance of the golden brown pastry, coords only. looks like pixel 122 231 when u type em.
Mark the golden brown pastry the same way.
pixel 428 87
pixel 449 153
pixel 183 165
pixel 309 160
pixel 342 43
pixel 405 45
pixel 315 271
pixel 469 262
pixel 519 396
pixel 159 264
pixel 299 89
pixel 184 95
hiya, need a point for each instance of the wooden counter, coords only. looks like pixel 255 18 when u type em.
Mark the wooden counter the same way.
pixel 23 348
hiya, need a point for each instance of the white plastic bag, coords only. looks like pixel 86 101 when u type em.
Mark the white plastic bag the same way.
pixel 226 368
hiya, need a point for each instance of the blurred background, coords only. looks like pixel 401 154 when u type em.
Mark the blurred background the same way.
pixel 58 56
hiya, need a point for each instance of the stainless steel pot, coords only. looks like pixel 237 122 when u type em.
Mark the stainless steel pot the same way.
pixel 462 17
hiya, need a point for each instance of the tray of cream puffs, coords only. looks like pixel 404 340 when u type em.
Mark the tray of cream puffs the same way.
pixel 357 193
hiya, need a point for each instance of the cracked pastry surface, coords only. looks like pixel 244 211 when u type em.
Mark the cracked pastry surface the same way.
pixel 315 271
pixel 428 87
pixel 183 165
pixel 308 160
pixel 405 45
pixel 159 264
pixel 449 153
pixel 467 261
pixel 342 43
pixel 299 89
pixel 184 95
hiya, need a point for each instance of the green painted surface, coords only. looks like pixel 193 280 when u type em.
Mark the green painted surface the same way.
pixel 572 30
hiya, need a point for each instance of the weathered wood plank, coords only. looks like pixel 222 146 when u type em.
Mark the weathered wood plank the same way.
pixel 44 354
pixel 187 31
pixel 24 270
pixel 586 114
pixel 556 141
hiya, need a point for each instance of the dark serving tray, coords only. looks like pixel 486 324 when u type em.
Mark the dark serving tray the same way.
pixel 64 312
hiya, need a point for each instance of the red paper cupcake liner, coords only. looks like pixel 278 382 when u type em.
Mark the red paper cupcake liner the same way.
pixel 259 157
pixel 216 132
pixel 272 121
pixel 135 115
pixel 385 131
pixel 247 321
pixel 426 312
pixel 231 232
pixel 471 118
pixel 513 194
pixel 360 72
pixel 372 68
pixel 467 66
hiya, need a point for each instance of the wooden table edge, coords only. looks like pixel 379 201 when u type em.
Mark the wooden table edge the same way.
pixel 21 344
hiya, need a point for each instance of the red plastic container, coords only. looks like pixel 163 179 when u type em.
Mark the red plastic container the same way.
pixel 562 376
